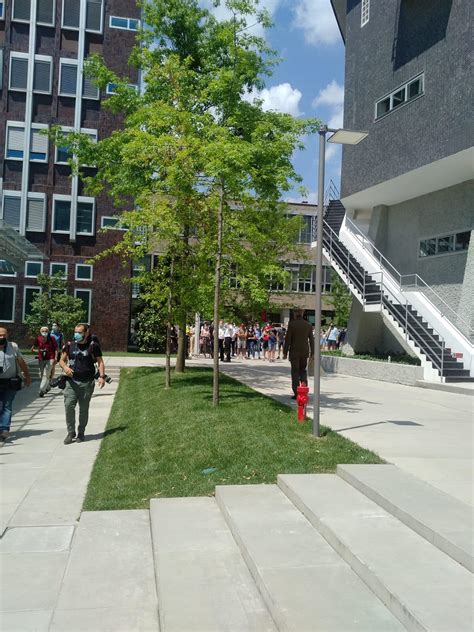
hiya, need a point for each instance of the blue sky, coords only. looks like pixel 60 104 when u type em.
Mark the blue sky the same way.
pixel 310 79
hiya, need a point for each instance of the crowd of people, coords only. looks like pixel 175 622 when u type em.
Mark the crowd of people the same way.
pixel 253 340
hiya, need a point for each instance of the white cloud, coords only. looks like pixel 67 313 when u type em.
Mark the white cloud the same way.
pixel 332 94
pixel 281 98
pixel 332 151
pixel 317 20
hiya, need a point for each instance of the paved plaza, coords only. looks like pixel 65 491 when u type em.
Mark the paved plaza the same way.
pixel 66 572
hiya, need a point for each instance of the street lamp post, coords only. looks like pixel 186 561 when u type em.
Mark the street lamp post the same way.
pixel 343 137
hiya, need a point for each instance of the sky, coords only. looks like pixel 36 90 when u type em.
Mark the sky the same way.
pixel 310 79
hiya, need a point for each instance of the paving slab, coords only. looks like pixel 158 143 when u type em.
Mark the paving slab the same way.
pixel 105 620
pixel 306 585
pixel 203 582
pixel 31 581
pixel 441 519
pixel 423 587
pixel 110 565
pixel 36 539
pixel 26 621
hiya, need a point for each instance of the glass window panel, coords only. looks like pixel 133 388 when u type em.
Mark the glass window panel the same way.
pixel 68 79
pixel 414 89
pixel 85 212
pixel 84 272
pixel 94 15
pixel 62 213
pixel 33 268
pixel 42 77
pixel 85 296
pixel 18 73
pixel 71 13
pixel 427 247
pixel 462 240
pixel 383 107
pixel 45 12
pixel 398 98
pixel 11 210
pixel 7 296
pixel 59 268
pixel 446 244
pixel 134 24
pixel 118 23
pixel 21 10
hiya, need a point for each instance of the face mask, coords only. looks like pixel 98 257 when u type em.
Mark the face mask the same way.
pixel 44 334
pixel 78 337
pixel 3 341
pixel 55 328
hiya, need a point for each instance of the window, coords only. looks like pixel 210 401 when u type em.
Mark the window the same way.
pixel 62 215
pixel 45 12
pixel 14 148
pixel 71 14
pixel 305 235
pixel 303 279
pixel 33 268
pixel 2 10
pixel 402 95
pixel 36 212
pixel 29 294
pixel 89 89
pixel 445 244
pixel 112 87
pixel 127 24
pixel 68 77
pixel 18 71
pixel 83 272
pixel 86 298
pixel 58 268
pixel 1 65
pixel 11 208
pixel 7 268
pixel 7 303
pixel 94 16
pixel 21 10
pixel 63 155
pixel 110 222
pixel 39 144
pixel 364 12
pixel 42 75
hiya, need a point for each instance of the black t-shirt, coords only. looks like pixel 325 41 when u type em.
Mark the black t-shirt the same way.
pixel 82 358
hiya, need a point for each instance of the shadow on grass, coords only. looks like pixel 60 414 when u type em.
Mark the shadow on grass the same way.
pixel 106 433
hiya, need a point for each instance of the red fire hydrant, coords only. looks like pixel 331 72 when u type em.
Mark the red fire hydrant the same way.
pixel 302 398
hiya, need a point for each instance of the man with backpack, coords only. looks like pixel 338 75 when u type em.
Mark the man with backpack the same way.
pixel 78 361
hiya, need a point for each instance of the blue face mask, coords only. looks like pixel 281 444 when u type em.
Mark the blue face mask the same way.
pixel 78 337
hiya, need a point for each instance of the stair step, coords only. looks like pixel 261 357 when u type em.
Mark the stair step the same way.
pixel 444 521
pixel 459 378
pixel 423 587
pixel 203 582
pixel 459 372
pixel 304 582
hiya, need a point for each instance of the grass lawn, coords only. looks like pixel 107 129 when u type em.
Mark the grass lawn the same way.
pixel 161 443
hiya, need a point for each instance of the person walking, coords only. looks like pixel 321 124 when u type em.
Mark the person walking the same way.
pixel 11 364
pixel 241 341
pixel 299 346
pixel 222 332
pixel 78 363
pixel 46 346
pixel 332 337
pixel 229 333
pixel 58 334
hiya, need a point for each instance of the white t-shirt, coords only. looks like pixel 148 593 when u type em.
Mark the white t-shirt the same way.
pixel 8 358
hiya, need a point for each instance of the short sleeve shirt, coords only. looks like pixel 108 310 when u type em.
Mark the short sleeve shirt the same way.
pixel 8 357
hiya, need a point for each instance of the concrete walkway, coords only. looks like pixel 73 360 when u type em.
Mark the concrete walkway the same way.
pixel 62 571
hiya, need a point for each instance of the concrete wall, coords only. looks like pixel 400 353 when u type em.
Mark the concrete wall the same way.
pixel 398 229
pixel 383 371
pixel 402 39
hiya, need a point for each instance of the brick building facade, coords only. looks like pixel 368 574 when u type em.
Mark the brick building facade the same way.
pixel 43 45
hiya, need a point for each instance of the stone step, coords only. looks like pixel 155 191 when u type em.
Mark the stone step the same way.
pixel 441 519
pixel 306 585
pixel 203 582
pixel 424 588
pixel 109 581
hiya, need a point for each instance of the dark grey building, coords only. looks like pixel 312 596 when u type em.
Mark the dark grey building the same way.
pixel 408 187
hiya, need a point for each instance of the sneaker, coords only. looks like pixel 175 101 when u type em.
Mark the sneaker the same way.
pixel 80 437
pixel 69 438
pixel 41 394
pixel 293 397
pixel 4 434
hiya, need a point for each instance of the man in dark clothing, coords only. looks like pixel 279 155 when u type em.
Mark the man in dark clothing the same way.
pixel 299 345
pixel 78 363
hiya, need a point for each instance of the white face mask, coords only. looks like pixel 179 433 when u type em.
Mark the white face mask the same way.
pixel 44 334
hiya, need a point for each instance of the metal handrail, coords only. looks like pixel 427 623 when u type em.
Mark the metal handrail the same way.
pixel 385 263
pixel 385 296
pixel 331 193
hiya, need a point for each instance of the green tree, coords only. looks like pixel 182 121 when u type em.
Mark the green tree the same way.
pixel 341 299
pixel 54 305
pixel 206 167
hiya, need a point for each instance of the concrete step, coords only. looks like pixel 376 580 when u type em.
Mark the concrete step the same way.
pixel 203 582
pixel 424 588
pixel 441 519
pixel 109 581
pixel 304 582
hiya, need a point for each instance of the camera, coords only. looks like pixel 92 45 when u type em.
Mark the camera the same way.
pixel 106 377
pixel 44 354
pixel 59 382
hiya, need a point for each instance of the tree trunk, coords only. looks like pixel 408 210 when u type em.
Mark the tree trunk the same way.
pixel 168 333
pixel 217 298
pixel 181 355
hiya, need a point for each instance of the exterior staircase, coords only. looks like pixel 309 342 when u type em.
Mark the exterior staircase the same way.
pixel 377 291
pixel 368 548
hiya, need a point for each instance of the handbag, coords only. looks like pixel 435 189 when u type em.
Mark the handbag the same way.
pixel 16 383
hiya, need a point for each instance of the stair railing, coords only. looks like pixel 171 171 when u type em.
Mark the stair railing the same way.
pixel 386 298
pixel 331 193
pixel 454 318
